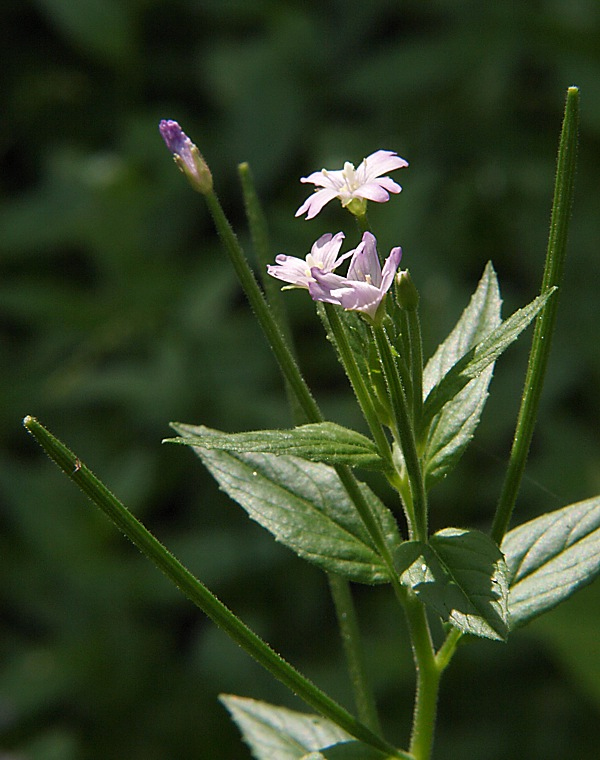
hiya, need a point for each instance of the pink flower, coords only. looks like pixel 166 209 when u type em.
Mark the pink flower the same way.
pixel 323 257
pixel 365 285
pixel 350 184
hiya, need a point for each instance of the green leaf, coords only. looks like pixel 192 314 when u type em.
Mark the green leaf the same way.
pixel 453 427
pixel 479 358
pixel 462 576
pixel 276 733
pixel 549 558
pixel 304 505
pixel 317 442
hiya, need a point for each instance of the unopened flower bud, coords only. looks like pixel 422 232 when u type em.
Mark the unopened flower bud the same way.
pixel 187 156
pixel 407 294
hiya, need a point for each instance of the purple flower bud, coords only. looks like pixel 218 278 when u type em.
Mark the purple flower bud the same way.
pixel 187 156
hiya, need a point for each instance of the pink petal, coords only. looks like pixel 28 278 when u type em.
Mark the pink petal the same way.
pixel 323 284
pixel 365 262
pixel 362 296
pixel 372 192
pixel 315 202
pixel 389 184
pixel 382 162
pixel 389 269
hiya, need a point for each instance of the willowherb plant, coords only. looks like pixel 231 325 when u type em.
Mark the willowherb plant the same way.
pixel 300 484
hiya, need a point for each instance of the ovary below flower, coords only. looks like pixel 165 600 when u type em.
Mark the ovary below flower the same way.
pixel 323 256
pixel 365 285
pixel 362 184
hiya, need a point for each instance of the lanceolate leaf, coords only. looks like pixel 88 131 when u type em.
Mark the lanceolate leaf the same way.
pixel 276 733
pixel 477 321
pixel 461 575
pixel 304 505
pixel 549 558
pixel 453 427
pixel 318 442
pixel 479 358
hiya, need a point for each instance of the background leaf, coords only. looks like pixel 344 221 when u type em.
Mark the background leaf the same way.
pixel 319 442
pixel 461 575
pixel 304 505
pixel 276 733
pixel 453 427
pixel 551 557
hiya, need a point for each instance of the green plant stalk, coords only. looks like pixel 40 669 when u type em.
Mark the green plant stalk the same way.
pixel 428 681
pixel 545 322
pixel 259 234
pixel 262 311
pixel 194 590
pixel 361 391
pixel 305 404
pixel 446 652
pixel 350 634
pixel 405 433
pixel 416 366
pixel 362 222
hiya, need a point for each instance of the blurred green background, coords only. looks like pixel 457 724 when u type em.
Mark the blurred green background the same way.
pixel 119 313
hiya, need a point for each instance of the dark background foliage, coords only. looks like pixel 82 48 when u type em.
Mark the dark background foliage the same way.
pixel 119 313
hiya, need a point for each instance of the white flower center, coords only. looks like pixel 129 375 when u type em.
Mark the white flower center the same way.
pixel 349 175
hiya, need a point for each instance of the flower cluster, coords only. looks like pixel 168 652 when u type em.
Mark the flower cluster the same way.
pixel 362 289
pixel 366 283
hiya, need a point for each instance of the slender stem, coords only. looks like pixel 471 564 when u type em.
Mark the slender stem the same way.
pixel 406 434
pixel 545 322
pixel 263 313
pixel 259 233
pixel 446 651
pixel 350 633
pixel 303 403
pixel 338 332
pixel 362 222
pixel 194 590
pixel 416 366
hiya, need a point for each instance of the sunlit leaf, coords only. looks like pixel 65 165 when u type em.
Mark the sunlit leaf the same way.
pixel 452 428
pixel 481 356
pixel 461 575
pixel 276 733
pixel 319 442
pixel 304 505
pixel 551 557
